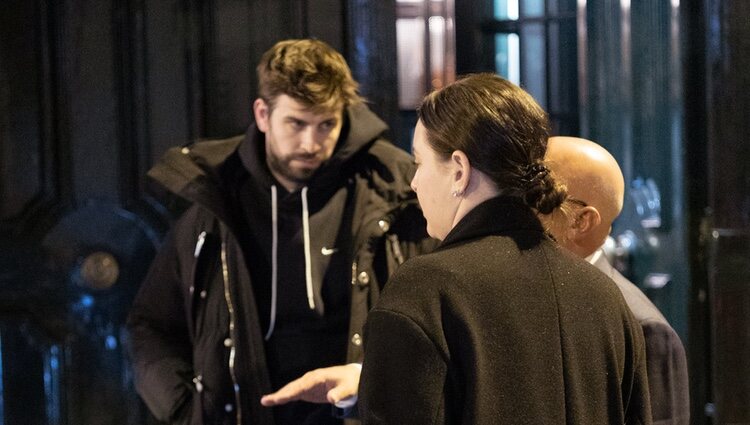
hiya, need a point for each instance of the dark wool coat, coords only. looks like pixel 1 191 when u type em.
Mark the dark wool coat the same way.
pixel 499 325
pixel 665 354
pixel 196 342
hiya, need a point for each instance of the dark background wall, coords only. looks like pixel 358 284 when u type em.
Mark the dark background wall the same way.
pixel 91 94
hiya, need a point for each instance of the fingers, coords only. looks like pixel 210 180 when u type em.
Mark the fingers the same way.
pixel 290 392
pixel 326 385
pixel 310 387
pixel 282 396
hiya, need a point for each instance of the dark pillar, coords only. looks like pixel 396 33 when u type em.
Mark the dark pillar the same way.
pixel 371 52
pixel 696 182
pixel 728 119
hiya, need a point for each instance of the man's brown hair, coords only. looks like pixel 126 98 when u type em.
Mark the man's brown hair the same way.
pixel 309 71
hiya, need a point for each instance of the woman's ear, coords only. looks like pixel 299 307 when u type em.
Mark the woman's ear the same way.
pixel 461 169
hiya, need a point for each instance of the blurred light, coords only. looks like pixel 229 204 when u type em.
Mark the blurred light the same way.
pixel 86 301
pixel 506 10
pixel 110 342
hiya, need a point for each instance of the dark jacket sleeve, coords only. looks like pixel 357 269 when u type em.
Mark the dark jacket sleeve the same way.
pixel 667 374
pixel 636 390
pixel 159 343
pixel 397 348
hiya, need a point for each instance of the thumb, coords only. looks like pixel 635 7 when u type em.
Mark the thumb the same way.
pixel 346 385
pixel 336 394
pixel 342 399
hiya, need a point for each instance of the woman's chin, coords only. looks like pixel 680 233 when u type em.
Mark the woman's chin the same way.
pixel 434 234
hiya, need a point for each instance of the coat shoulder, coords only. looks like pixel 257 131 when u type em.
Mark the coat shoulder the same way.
pixel 388 167
pixel 418 283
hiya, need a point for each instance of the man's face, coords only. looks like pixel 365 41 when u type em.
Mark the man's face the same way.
pixel 298 140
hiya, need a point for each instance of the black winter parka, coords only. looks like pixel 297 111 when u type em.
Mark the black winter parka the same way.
pixel 195 340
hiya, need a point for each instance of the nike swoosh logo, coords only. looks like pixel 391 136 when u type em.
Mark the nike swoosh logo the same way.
pixel 328 251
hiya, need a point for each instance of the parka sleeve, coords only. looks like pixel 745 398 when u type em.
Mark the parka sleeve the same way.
pixel 159 343
pixel 403 375
pixel 667 374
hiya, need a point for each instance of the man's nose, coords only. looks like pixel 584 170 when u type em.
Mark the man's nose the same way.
pixel 309 141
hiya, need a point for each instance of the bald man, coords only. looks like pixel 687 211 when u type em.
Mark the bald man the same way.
pixel 596 191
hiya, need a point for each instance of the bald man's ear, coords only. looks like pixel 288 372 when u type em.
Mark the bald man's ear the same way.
pixel 585 220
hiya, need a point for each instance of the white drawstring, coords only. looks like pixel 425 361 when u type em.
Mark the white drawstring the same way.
pixel 274 259
pixel 306 231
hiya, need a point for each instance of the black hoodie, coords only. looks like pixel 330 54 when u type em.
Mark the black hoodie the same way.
pixel 303 301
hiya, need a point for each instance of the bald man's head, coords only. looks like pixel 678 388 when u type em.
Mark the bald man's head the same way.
pixel 595 187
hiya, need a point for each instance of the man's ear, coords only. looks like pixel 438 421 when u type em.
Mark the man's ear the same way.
pixel 585 220
pixel 461 168
pixel 262 114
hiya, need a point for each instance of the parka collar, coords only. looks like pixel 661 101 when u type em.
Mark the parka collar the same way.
pixel 361 128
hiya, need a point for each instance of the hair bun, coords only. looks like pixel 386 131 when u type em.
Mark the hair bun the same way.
pixel 541 191
pixel 534 173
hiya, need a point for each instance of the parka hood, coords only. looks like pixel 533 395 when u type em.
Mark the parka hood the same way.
pixel 193 172
pixel 360 129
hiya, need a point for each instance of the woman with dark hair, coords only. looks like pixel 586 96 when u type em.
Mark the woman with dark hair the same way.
pixel 498 325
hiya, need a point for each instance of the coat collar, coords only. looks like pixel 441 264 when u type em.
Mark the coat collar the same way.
pixel 499 215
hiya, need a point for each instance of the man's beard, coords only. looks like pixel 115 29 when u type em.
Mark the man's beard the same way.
pixel 282 166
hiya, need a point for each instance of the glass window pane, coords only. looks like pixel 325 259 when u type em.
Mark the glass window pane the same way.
pixel 562 7
pixel 555 103
pixel 562 67
pixel 411 87
pixel 532 8
pixel 437 50
pixel 507 57
pixel 533 63
pixel 506 10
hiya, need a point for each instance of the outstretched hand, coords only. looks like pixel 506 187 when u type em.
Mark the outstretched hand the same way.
pixel 326 385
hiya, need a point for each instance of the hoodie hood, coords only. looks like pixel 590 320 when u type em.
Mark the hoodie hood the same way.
pixel 305 224
pixel 193 172
pixel 361 128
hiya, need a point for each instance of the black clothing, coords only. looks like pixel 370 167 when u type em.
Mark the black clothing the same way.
pixel 501 325
pixel 666 360
pixel 198 323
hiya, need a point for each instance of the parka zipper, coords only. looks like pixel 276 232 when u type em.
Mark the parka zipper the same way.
pixel 396 248
pixel 232 334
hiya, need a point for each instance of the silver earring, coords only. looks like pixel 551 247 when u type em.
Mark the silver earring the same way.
pixel 457 193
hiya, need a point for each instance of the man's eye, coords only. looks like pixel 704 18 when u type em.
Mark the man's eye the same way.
pixel 326 126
